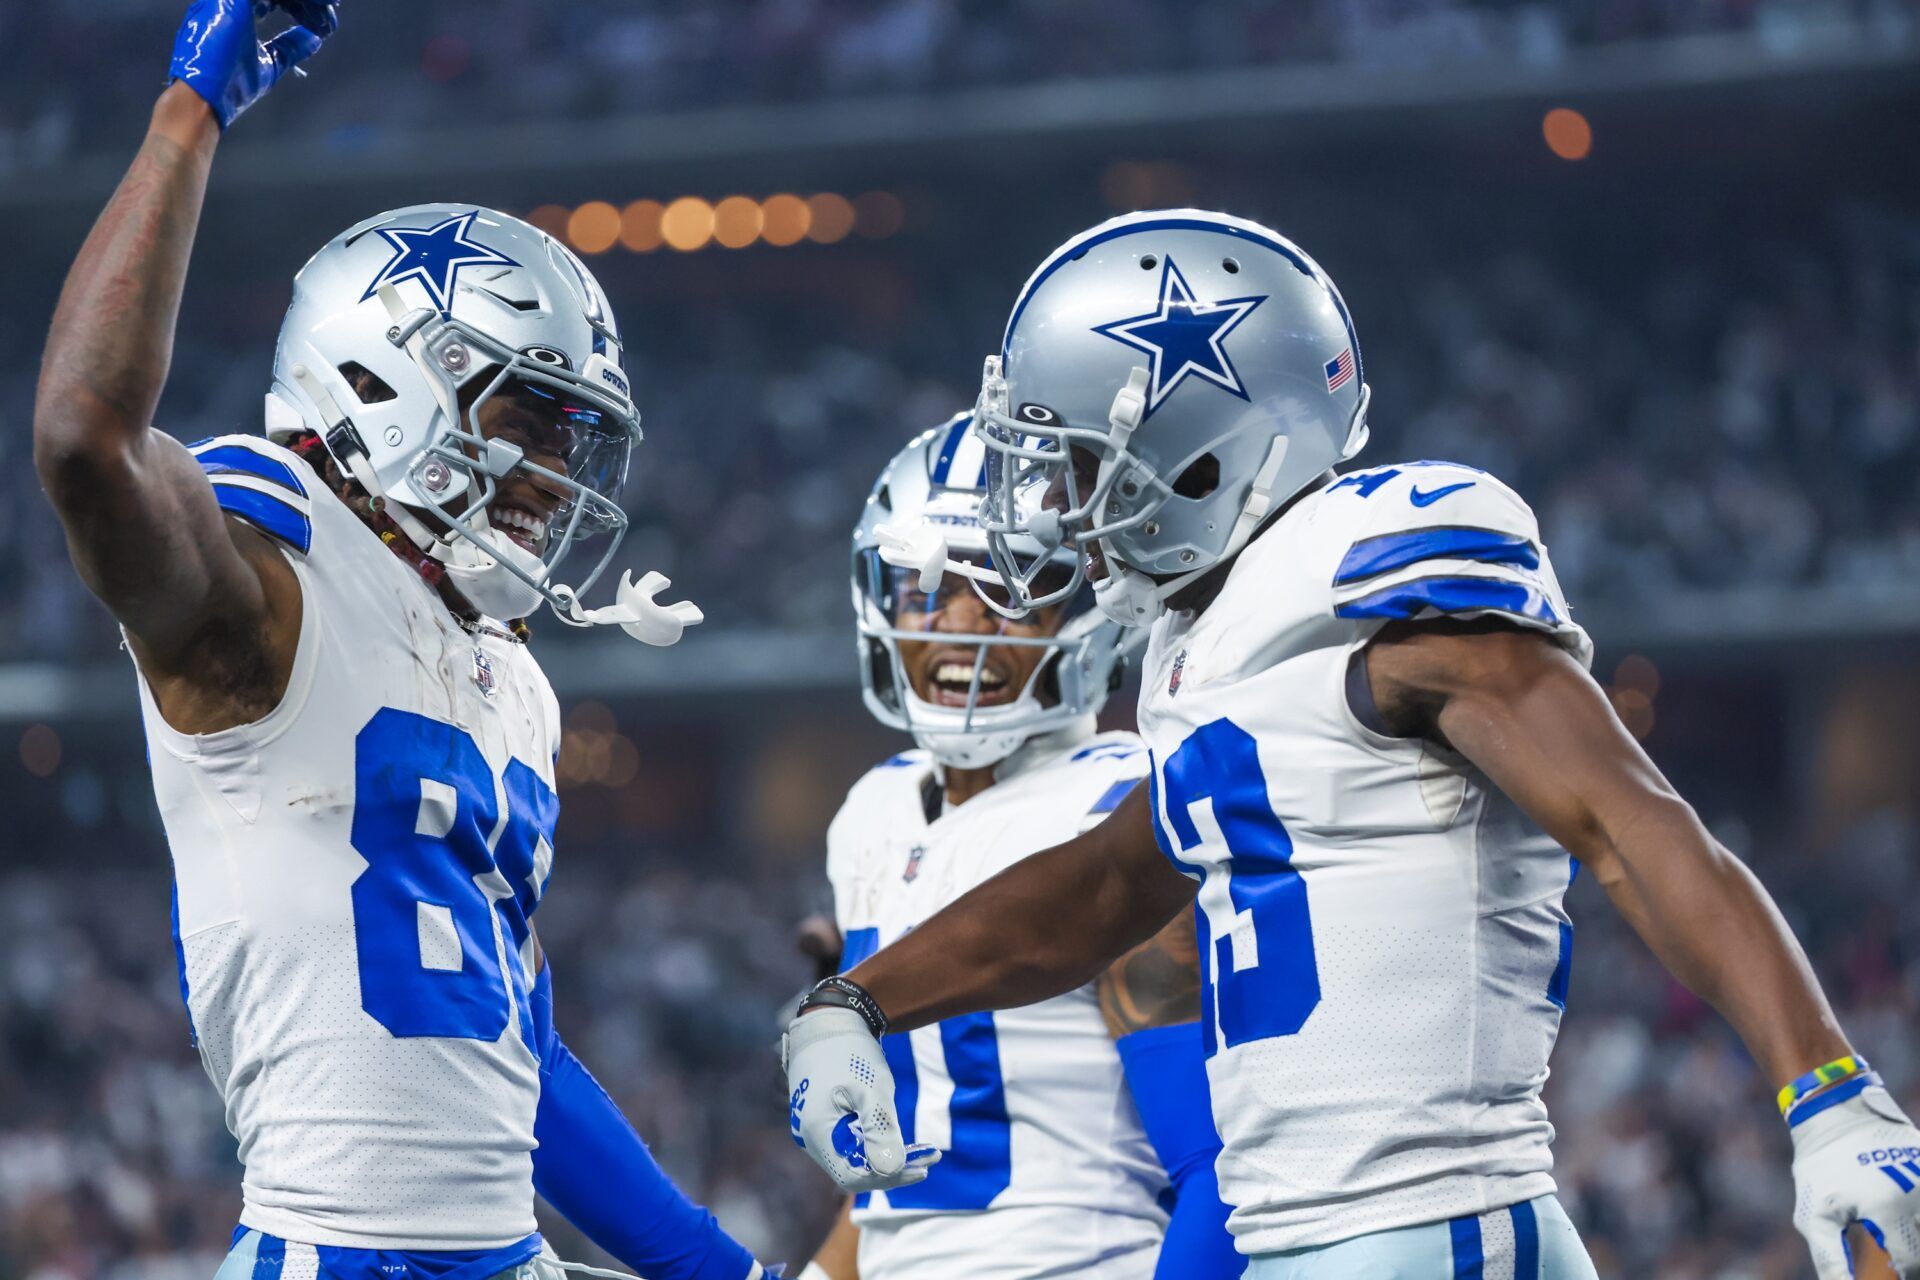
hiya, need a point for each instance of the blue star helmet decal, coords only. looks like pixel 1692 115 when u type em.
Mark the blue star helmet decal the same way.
pixel 1182 336
pixel 434 256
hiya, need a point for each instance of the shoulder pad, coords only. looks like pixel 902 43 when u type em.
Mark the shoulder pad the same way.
pixel 895 772
pixel 1436 539
pixel 1121 761
pixel 261 483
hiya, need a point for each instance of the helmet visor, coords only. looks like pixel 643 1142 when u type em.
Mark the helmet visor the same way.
pixel 895 592
pixel 564 435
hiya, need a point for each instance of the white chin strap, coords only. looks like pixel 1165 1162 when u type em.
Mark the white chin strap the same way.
pixel 976 747
pixel 477 567
pixel 1128 596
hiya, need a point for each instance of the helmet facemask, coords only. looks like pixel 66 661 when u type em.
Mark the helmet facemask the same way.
pixel 456 478
pixel 1057 484
pixel 967 729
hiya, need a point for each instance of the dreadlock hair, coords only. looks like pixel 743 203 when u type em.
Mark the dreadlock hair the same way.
pixel 309 447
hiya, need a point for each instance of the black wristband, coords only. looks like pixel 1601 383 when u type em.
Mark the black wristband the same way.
pixel 841 992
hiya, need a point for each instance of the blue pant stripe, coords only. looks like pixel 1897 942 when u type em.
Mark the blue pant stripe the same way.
pixel 1467 1257
pixel 1526 1242
pixel 271 1259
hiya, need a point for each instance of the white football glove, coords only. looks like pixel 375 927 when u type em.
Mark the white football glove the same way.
pixel 1858 1161
pixel 840 1103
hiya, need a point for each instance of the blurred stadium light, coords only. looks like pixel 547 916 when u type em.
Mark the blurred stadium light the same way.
pixel 1695 348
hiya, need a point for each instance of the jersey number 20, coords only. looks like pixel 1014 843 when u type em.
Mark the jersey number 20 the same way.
pixel 1260 973
pixel 423 910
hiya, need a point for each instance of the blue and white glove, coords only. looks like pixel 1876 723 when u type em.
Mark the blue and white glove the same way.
pixel 218 54
pixel 1856 1158
pixel 840 1103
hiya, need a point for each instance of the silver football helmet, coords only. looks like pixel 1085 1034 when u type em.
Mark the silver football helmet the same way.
pixel 446 306
pixel 1167 381
pixel 933 488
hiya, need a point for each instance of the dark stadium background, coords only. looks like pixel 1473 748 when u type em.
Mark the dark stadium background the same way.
pixel 1682 316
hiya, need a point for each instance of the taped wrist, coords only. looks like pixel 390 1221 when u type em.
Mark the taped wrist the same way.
pixel 841 992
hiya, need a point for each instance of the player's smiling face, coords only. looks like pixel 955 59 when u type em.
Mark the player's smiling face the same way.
pixel 940 668
pixel 547 430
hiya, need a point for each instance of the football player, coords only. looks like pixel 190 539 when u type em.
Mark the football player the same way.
pixel 351 745
pixel 1049 1118
pixel 1375 745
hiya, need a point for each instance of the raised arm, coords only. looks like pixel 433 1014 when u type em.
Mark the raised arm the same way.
pixel 1048 924
pixel 1528 716
pixel 141 520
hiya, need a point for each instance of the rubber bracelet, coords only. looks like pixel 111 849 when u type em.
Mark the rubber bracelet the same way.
pixel 1819 1078
pixel 839 992
pixel 1825 1099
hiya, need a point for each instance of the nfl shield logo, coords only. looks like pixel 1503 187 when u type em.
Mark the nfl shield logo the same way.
pixel 483 672
pixel 1179 665
pixel 912 872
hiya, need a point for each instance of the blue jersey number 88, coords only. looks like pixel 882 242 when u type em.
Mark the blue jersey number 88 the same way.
pixel 424 806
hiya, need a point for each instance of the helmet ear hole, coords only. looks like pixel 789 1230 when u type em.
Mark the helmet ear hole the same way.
pixel 368 386
pixel 1201 477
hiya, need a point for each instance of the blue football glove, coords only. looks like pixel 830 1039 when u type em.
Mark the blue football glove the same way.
pixel 220 56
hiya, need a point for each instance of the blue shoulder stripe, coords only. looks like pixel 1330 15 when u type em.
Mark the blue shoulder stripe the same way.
pixel 1371 557
pixel 269 514
pixel 1452 595
pixel 1110 799
pixel 239 457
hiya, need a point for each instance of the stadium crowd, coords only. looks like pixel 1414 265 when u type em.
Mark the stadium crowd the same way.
pixel 1741 417
pixel 449 60
pixel 115 1164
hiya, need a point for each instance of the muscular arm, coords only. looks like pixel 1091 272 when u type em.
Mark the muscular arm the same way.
pixel 141 520
pixel 1048 924
pixel 1526 714
pixel 1156 984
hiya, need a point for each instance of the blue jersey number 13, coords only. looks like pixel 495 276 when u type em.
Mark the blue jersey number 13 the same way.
pixel 1259 973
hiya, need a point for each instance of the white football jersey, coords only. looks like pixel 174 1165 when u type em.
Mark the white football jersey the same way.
pixel 353 878
pixel 1386 948
pixel 1045 1168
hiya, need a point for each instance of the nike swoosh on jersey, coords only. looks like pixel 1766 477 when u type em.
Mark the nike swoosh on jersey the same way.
pixel 1421 499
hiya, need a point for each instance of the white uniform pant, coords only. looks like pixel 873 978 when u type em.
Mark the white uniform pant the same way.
pixel 1532 1240
pixel 302 1262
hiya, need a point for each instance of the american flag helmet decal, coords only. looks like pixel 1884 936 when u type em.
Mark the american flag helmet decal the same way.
pixel 1340 370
